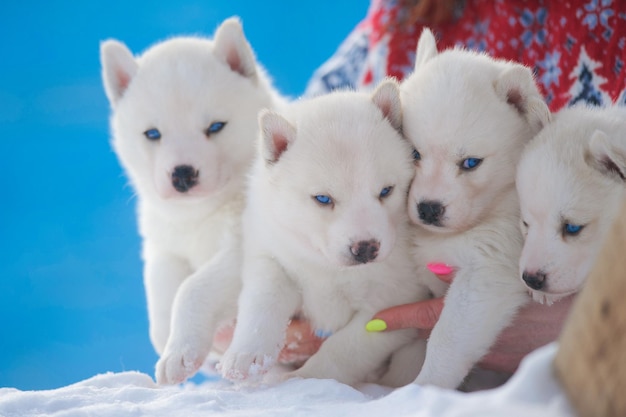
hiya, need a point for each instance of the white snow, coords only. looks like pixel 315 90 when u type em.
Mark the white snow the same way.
pixel 533 391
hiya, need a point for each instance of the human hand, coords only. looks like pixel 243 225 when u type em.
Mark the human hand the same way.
pixel 300 342
pixel 534 326
pixel 422 315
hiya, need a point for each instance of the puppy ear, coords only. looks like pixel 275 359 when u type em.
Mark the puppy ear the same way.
pixel 277 134
pixel 387 99
pixel 232 47
pixel 605 156
pixel 118 69
pixel 517 87
pixel 426 47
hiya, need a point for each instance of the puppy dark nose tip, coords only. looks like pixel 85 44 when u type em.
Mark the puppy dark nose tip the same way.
pixel 430 212
pixel 184 177
pixel 535 281
pixel 365 251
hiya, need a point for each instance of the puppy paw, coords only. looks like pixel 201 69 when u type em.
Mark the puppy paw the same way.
pixel 244 365
pixel 176 365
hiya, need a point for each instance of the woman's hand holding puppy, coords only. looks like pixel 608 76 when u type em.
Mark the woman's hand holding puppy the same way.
pixel 535 325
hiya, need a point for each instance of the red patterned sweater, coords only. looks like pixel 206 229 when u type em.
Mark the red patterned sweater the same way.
pixel 576 48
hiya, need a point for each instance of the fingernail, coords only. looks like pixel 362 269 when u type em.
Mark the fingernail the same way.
pixel 439 268
pixel 376 325
pixel 323 334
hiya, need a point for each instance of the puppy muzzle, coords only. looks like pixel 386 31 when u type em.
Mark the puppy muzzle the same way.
pixel 184 177
pixel 431 212
pixel 365 251
pixel 536 281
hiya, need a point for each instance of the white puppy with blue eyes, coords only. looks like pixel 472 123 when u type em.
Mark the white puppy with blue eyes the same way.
pixel 184 122
pixel 570 183
pixel 468 118
pixel 326 233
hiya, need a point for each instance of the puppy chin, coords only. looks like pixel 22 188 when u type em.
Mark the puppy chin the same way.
pixel 548 299
pixel 343 261
pixel 439 229
pixel 433 228
pixel 346 260
pixel 169 193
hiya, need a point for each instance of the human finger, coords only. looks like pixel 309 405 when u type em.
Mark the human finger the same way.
pixel 420 315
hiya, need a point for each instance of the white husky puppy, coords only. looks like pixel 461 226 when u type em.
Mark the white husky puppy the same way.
pixel 326 233
pixel 468 117
pixel 184 122
pixel 571 183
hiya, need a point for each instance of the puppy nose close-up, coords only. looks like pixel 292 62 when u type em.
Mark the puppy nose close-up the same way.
pixel 365 251
pixel 535 281
pixel 184 177
pixel 430 212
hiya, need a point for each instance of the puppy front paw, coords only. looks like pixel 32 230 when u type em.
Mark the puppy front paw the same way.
pixel 177 365
pixel 240 366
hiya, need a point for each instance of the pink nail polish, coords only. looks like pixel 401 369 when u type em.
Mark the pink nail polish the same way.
pixel 439 268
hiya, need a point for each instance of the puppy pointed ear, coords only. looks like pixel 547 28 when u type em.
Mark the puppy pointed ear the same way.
pixel 232 47
pixel 387 98
pixel 118 69
pixel 517 87
pixel 426 47
pixel 277 134
pixel 607 157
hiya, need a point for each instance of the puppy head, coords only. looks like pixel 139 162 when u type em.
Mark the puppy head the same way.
pixel 184 113
pixel 468 117
pixel 570 182
pixel 336 173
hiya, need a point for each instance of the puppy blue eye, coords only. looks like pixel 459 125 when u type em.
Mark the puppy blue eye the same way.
pixel 470 163
pixel 416 155
pixel 572 229
pixel 152 134
pixel 385 192
pixel 323 199
pixel 214 128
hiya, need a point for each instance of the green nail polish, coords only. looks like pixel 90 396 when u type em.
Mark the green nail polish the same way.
pixel 376 325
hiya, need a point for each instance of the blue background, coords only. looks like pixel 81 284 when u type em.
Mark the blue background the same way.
pixel 71 296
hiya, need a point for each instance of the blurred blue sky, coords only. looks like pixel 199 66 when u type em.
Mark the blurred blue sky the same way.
pixel 71 295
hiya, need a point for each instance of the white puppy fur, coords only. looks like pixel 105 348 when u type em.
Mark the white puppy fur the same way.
pixel 570 182
pixel 326 233
pixel 184 122
pixel 468 117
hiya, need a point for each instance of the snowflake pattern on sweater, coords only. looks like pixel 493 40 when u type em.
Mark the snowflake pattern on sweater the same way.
pixel 575 48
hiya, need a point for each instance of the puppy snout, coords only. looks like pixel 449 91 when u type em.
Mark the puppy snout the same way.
pixel 184 177
pixel 535 281
pixel 365 251
pixel 431 212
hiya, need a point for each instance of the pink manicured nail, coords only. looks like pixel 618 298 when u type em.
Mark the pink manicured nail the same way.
pixel 439 268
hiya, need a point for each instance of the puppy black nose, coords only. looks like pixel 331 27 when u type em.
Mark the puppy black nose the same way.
pixel 535 281
pixel 184 177
pixel 365 251
pixel 430 212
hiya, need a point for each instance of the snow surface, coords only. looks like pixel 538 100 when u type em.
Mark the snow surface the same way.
pixel 532 391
